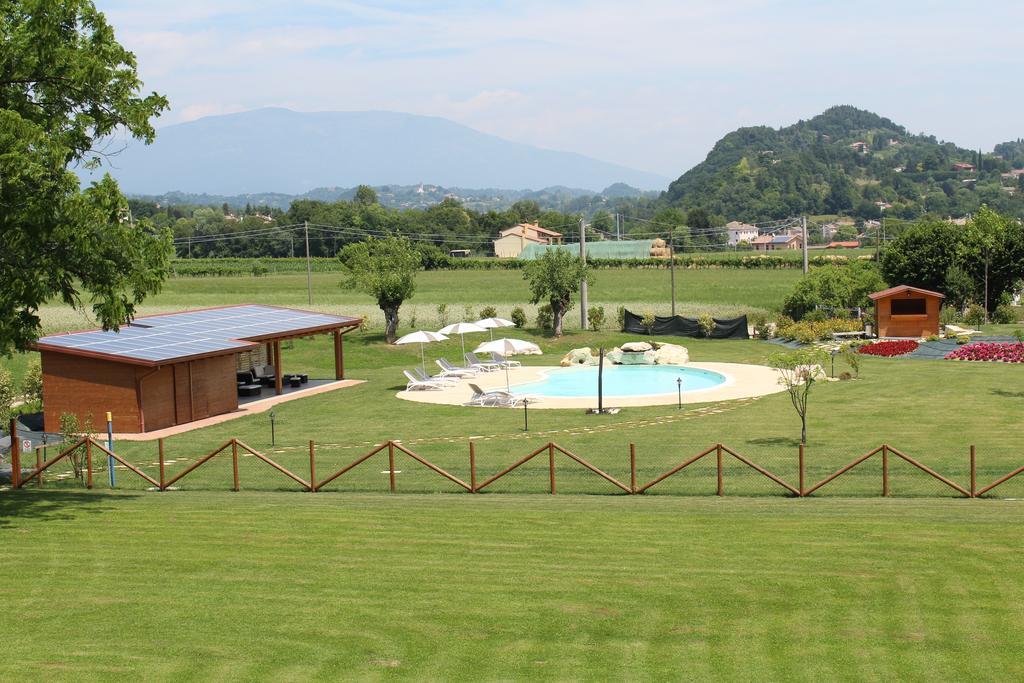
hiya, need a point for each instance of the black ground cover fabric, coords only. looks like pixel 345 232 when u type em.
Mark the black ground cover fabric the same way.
pixel 678 326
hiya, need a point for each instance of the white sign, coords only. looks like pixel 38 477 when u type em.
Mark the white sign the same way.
pixel 26 445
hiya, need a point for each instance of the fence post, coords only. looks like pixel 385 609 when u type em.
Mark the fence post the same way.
pixel 312 466
pixel 391 464
pixel 160 449
pixel 88 463
pixel 15 455
pixel 718 457
pixel 551 465
pixel 885 470
pixel 801 461
pixel 974 473
pixel 39 465
pixel 632 467
pixel 234 462
pixel 472 467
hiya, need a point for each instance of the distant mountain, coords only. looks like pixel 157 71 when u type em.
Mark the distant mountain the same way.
pixel 282 151
pixel 847 161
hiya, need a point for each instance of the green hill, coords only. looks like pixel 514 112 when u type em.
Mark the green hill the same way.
pixel 851 162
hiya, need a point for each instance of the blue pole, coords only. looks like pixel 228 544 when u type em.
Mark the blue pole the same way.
pixel 110 447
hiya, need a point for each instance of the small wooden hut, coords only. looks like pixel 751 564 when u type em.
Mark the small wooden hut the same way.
pixel 906 311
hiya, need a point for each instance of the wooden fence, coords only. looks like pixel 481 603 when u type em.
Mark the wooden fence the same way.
pixel 554 452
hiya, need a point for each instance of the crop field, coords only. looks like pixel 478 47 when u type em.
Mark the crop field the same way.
pixel 273 582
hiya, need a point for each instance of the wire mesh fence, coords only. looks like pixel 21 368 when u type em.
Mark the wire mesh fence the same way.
pixel 577 464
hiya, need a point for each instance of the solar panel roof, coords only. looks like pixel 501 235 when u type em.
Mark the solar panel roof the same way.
pixel 206 332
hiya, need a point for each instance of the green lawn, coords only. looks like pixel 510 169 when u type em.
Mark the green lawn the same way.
pixel 271 586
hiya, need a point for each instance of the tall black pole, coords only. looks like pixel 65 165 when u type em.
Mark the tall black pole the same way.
pixel 600 380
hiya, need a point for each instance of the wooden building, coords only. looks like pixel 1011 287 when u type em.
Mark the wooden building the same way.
pixel 906 311
pixel 165 370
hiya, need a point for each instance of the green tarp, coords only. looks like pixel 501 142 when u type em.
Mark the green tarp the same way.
pixel 618 249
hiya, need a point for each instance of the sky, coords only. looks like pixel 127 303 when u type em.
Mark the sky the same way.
pixel 650 85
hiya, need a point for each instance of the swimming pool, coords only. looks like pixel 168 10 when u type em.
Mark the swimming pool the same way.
pixel 621 381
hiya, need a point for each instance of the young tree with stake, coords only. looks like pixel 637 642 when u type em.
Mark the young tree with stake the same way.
pixel 799 370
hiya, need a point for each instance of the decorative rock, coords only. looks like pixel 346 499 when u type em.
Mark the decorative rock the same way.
pixel 583 356
pixel 671 354
pixel 637 347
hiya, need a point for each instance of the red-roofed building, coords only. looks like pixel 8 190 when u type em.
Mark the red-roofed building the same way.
pixel 512 241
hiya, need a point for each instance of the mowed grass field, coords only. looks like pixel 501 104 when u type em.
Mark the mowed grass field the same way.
pixel 274 586
pixel 274 583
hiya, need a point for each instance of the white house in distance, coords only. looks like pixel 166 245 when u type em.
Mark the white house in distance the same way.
pixel 788 240
pixel 740 232
pixel 512 241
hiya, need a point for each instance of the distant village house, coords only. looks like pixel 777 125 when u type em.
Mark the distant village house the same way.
pixel 740 232
pixel 512 241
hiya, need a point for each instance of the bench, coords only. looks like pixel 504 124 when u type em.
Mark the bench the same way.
pixel 848 335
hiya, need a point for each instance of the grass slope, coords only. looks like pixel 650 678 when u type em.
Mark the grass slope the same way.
pixel 295 587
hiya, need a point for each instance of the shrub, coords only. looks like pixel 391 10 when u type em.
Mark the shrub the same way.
pixel 845 376
pixel 816 316
pixel 975 315
pixel 833 286
pixel 620 318
pixel 519 317
pixel 933 338
pixel 412 318
pixel 1004 315
pixel 32 384
pixel 647 320
pixel 1019 335
pixel 948 315
pixel 852 358
pixel 759 321
pixel 706 324
pixel 7 395
pixel 998 352
pixel 962 339
pixel 595 317
pixel 888 349
pixel 259 270
pixel 807 332
pixel 545 318
pixel 488 312
pixel 442 314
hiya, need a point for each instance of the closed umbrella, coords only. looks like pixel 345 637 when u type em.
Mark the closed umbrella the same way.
pixel 507 347
pixel 421 337
pixel 461 329
pixel 491 323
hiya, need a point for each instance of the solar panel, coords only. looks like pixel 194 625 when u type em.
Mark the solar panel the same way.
pixel 192 333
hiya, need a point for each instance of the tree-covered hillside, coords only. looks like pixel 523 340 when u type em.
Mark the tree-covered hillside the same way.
pixel 851 162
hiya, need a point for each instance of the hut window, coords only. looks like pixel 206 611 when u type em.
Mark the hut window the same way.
pixel 909 307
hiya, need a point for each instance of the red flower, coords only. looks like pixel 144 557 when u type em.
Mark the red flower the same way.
pixel 889 348
pixel 1000 352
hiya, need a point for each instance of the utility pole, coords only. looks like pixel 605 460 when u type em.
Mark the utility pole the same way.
pixel 309 267
pixel 803 238
pixel 583 284
pixel 618 227
pixel 672 265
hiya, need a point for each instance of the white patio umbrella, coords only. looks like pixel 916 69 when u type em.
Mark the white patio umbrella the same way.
pixel 421 337
pixel 507 347
pixel 461 329
pixel 491 323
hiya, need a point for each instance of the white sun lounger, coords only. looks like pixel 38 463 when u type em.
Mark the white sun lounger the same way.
pixel 418 384
pixel 473 362
pixel 449 370
pixel 424 377
pixel 504 362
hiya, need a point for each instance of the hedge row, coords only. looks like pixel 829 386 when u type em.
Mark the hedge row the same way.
pixel 221 267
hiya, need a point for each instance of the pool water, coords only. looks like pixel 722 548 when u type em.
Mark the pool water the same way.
pixel 621 381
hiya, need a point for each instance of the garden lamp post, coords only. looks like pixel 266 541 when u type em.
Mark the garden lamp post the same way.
pixel 273 439
pixel 679 388
pixel 526 415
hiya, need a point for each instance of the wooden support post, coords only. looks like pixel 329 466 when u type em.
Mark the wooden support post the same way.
pixel 551 466
pixel 391 464
pixel 472 467
pixel 632 468
pixel 885 470
pixel 801 464
pixel 278 381
pixel 88 464
pixel 15 455
pixel 160 448
pixel 234 462
pixel 339 357
pixel 718 458
pixel 312 467
pixel 974 474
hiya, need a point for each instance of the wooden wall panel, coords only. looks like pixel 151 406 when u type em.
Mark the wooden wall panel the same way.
pixel 158 406
pixel 214 390
pixel 79 385
pixel 182 393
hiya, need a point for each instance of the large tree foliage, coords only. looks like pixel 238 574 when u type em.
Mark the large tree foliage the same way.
pixel 835 287
pixel 66 86
pixel 385 269
pixel 959 260
pixel 555 277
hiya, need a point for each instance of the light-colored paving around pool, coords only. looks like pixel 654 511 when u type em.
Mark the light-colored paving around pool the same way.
pixel 742 381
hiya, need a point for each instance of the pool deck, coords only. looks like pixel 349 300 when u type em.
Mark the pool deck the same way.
pixel 742 381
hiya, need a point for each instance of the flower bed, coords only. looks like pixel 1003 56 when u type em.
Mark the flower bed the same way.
pixel 888 349
pixel 998 352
